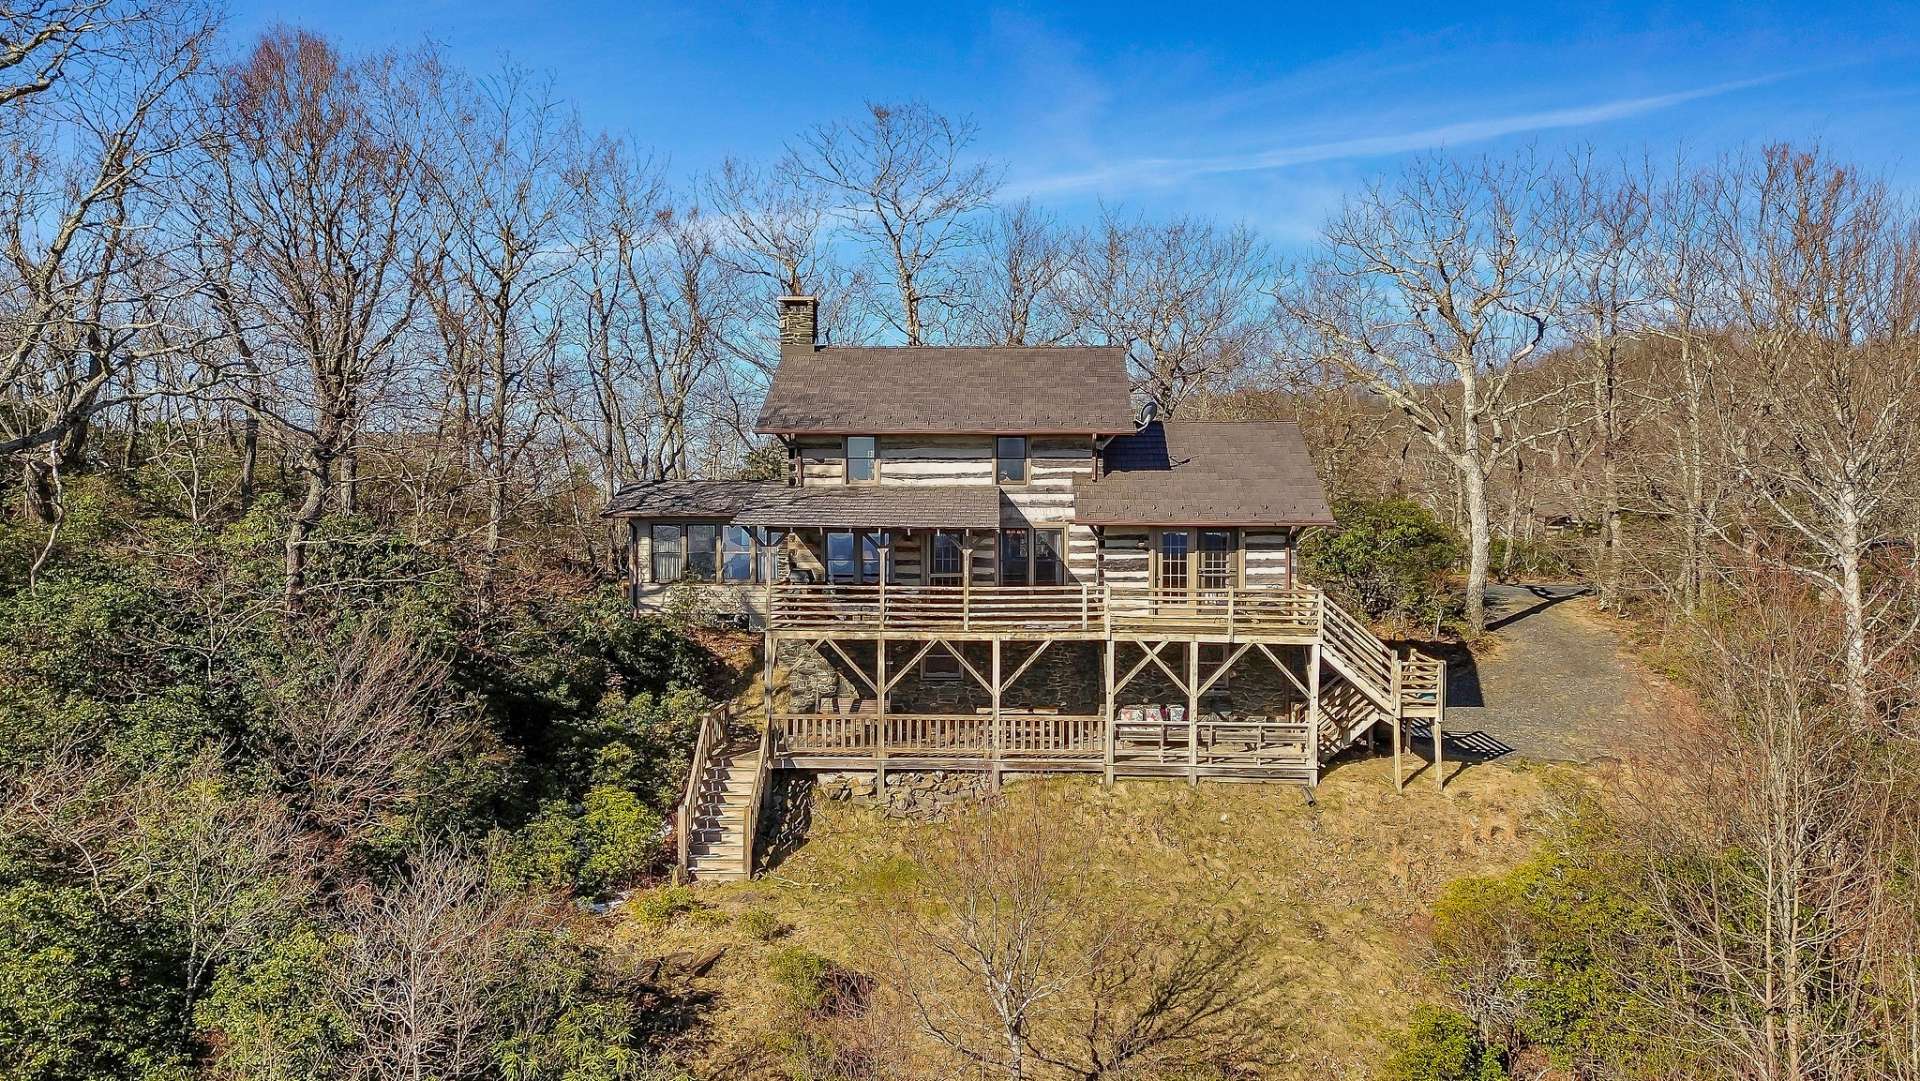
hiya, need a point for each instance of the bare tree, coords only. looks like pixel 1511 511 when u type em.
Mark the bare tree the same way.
pixel 1436 294
pixel 364 737
pixel 1016 280
pixel 1821 268
pixel 85 279
pixel 424 966
pixel 907 194
pixel 1177 295
pixel 1015 967
pixel 1608 292
pixel 318 187
pixel 495 288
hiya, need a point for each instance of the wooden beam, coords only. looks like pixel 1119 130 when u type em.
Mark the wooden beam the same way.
pixel 1284 670
pixel 999 737
pixel 1439 716
pixel 1399 711
pixel 925 648
pixel 971 670
pixel 880 721
pixel 1028 663
pixel 1193 713
pixel 1107 670
pixel 1135 670
pixel 1313 713
pixel 857 670
pixel 1231 657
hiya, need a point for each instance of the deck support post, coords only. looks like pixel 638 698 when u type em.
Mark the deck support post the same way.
pixel 1439 716
pixel 998 736
pixel 880 718
pixel 1109 741
pixel 1193 712
pixel 1399 709
pixel 1313 714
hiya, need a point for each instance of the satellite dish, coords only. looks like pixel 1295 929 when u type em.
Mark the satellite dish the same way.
pixel 1149 412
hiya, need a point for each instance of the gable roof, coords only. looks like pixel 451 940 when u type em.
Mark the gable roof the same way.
pixel 1219 473
pixel 922 390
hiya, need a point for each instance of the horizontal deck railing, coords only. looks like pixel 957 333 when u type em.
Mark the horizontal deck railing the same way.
pixel 1087 609
pixel 1054 739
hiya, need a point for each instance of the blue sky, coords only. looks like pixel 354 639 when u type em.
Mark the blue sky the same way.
pixel 1259 113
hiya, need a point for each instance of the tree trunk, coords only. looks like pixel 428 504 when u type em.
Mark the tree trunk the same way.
pixel 1473 487
pixel 36 490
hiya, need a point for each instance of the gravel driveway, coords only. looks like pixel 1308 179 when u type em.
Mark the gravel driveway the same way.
pixel 1559 687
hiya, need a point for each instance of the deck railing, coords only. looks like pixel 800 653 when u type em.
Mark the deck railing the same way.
pixel 1088 609
pixel 1142 738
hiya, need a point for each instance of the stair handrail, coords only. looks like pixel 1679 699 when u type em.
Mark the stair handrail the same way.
pixel 1347 637
pixel 760 775
pixel 703 746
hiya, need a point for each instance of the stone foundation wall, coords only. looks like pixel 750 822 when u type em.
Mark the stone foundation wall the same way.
pixel 924 795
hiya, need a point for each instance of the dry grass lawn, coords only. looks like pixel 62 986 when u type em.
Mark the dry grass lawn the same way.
pixel 1343 886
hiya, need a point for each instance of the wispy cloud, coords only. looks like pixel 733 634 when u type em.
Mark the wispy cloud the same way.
pixel 1144 172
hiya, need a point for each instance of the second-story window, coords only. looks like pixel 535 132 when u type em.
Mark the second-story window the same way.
pixel 862 455
pixel 1010 459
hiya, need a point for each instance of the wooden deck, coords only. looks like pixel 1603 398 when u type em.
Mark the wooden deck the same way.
pixel 1039 612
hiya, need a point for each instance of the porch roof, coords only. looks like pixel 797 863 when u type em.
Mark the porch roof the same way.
pixel 1206 473
pixel 849 506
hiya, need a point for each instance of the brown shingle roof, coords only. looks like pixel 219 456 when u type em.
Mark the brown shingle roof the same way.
pixel 688 498
pixel 857 506
pixel 922 390
pixel 1225 473
pixel 849 506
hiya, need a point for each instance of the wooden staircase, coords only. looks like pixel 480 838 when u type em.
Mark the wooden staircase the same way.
pixel 1376 683
pixel 720 813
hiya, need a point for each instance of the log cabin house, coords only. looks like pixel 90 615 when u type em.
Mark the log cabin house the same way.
pixel 983 559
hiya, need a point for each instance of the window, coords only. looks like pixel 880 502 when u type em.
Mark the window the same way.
pixel 862 450
pixel 669 553
pixel 947 560
pixel 1010 459
pixel 940 664
pixel 1013 557
pixel 1216 559
pixel 842 566
pixel 872 561
pixel 736 554
pixel 1049 566
pixel 1173 560
pixel 702 539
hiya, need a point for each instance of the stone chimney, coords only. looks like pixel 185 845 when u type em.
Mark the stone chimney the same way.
pixel 799 323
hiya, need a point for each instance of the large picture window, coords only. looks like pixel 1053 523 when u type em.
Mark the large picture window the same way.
pixel 1010 459
pixel 873 556
pixel 863 466
pixel 713 552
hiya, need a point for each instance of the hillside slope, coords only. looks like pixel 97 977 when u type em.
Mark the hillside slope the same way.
pixel 1343 887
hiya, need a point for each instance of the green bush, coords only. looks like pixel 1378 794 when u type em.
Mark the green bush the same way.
pixel 660 907
pixel 1388 558
pixel 1546 955
pixel 803 976
pixel 1442 1045
pixel 761 924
